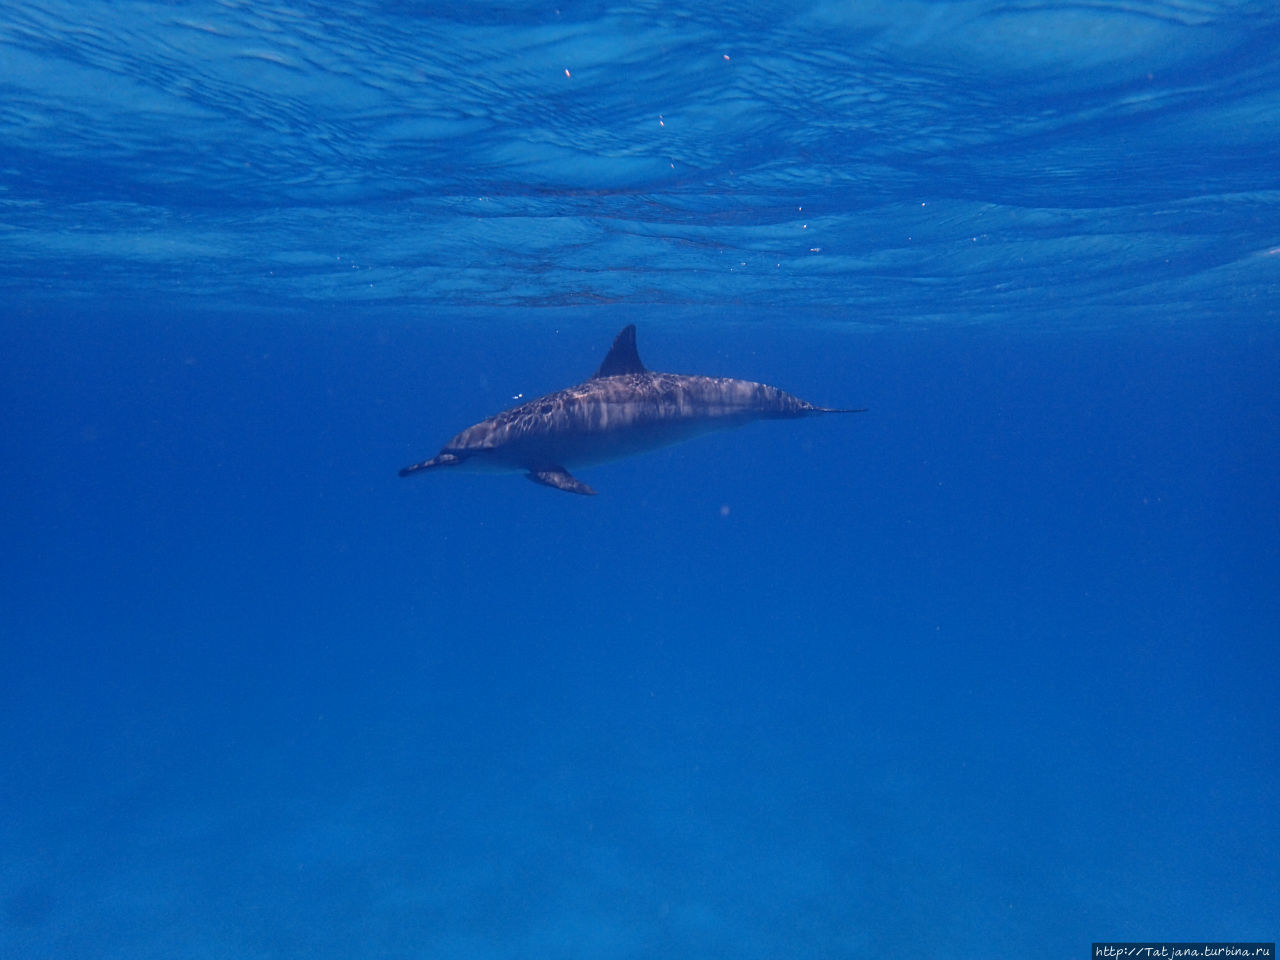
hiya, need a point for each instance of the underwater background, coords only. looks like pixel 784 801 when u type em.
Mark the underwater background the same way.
pixel 988 670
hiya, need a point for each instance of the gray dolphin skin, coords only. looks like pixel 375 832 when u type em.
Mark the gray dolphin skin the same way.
pixel 623 410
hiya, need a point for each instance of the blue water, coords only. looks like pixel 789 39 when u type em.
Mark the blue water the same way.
pixel 989 670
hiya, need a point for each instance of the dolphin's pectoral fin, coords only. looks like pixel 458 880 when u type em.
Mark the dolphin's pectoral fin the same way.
pixel 561 479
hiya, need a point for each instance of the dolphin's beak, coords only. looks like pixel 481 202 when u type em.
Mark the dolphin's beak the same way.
pixel 439 460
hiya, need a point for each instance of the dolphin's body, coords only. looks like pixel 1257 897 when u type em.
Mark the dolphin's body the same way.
pixel 622 410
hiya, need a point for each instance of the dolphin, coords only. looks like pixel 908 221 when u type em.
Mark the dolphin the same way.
pixel 623 410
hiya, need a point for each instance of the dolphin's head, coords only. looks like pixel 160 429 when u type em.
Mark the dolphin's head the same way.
pixel 472 459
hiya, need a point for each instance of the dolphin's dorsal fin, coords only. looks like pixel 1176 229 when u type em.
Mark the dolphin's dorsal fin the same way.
pixel 622 357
